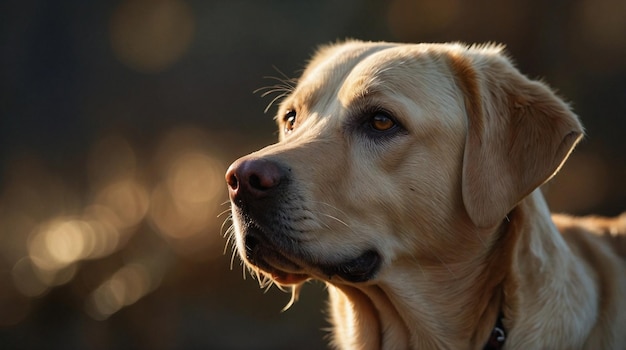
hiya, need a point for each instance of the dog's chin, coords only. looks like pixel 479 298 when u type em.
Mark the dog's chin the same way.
pixel 272 260
pixel 288 267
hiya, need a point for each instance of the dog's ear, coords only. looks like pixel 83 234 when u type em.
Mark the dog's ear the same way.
pixel 519 134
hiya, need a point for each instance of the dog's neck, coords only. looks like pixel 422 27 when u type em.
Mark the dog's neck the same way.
pixel 457 305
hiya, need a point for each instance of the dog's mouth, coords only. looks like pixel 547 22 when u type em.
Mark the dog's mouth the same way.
pixel 290 266
pixel 355 270
pixel 269 259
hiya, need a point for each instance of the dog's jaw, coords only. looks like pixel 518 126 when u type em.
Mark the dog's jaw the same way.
pixel 287 270
pixel 284 259
pixel 270 260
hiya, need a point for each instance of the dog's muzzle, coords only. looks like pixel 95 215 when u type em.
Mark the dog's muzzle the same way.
pixel 257 188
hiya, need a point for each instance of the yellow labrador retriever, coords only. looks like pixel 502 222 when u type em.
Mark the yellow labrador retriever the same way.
pixel 406 178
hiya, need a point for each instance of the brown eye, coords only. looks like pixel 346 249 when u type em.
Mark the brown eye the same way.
pixel 290 120
pixel 381 122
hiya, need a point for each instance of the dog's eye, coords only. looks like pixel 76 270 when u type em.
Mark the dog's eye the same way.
pixel 290 120
pixel 382 122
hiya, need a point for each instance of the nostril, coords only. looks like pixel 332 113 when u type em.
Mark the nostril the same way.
pixel 249 179
pixel 259 175
pixel 256 182
pixel 232 181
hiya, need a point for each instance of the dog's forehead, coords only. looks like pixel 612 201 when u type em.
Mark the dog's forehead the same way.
pixel 335 61
pixel 401 69
pixel 329 67
pixel 352 69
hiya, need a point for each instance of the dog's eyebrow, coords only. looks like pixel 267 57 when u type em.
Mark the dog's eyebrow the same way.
pixel 363 93
pixel 372 81
pixel 310 92
pixel 366 97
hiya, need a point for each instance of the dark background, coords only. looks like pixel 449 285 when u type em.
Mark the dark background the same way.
pixel 119 118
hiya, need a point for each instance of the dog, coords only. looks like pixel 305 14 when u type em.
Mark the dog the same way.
pixel 407 178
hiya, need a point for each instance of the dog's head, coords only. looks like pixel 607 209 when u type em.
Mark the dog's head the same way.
pixel 393 154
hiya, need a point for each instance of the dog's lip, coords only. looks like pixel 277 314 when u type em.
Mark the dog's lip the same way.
pixel 287 278
pixel 271 260
pixel 355 270
pixel 286 265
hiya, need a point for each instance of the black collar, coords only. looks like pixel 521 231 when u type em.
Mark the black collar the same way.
pixel 498 335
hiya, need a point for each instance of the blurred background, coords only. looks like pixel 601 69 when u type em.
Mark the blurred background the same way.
pixel 119 118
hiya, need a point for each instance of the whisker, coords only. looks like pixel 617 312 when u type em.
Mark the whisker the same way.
pixel 295 294
pixel 284 87
pixel 274 100
pixel 229 242
pixel 223 212
pixel 232 257
pixel 286 78
pixel 331 206
pixel 288 82
pixel 416 261
pixel 264 281
pixel 336 219
pixel 267 90
pixel 229 218
pixel 333 217
pixel 270 283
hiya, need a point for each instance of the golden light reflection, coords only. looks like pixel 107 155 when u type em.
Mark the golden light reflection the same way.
pixel 127 200
pixel 123 288
pixel 55 248
pixel 105 236
pixel 57 244
pixel 150 35
pixel 67 241
pixel 184 206
pixel 193 178
pixel 26 278
pixel 178 196
pixel 57 277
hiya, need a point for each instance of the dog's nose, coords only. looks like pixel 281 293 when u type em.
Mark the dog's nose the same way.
pixel 252 178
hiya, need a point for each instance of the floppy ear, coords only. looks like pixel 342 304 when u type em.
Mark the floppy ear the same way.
pixel 519 134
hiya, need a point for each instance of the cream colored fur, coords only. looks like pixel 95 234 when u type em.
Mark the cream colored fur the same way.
pixel 451 203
